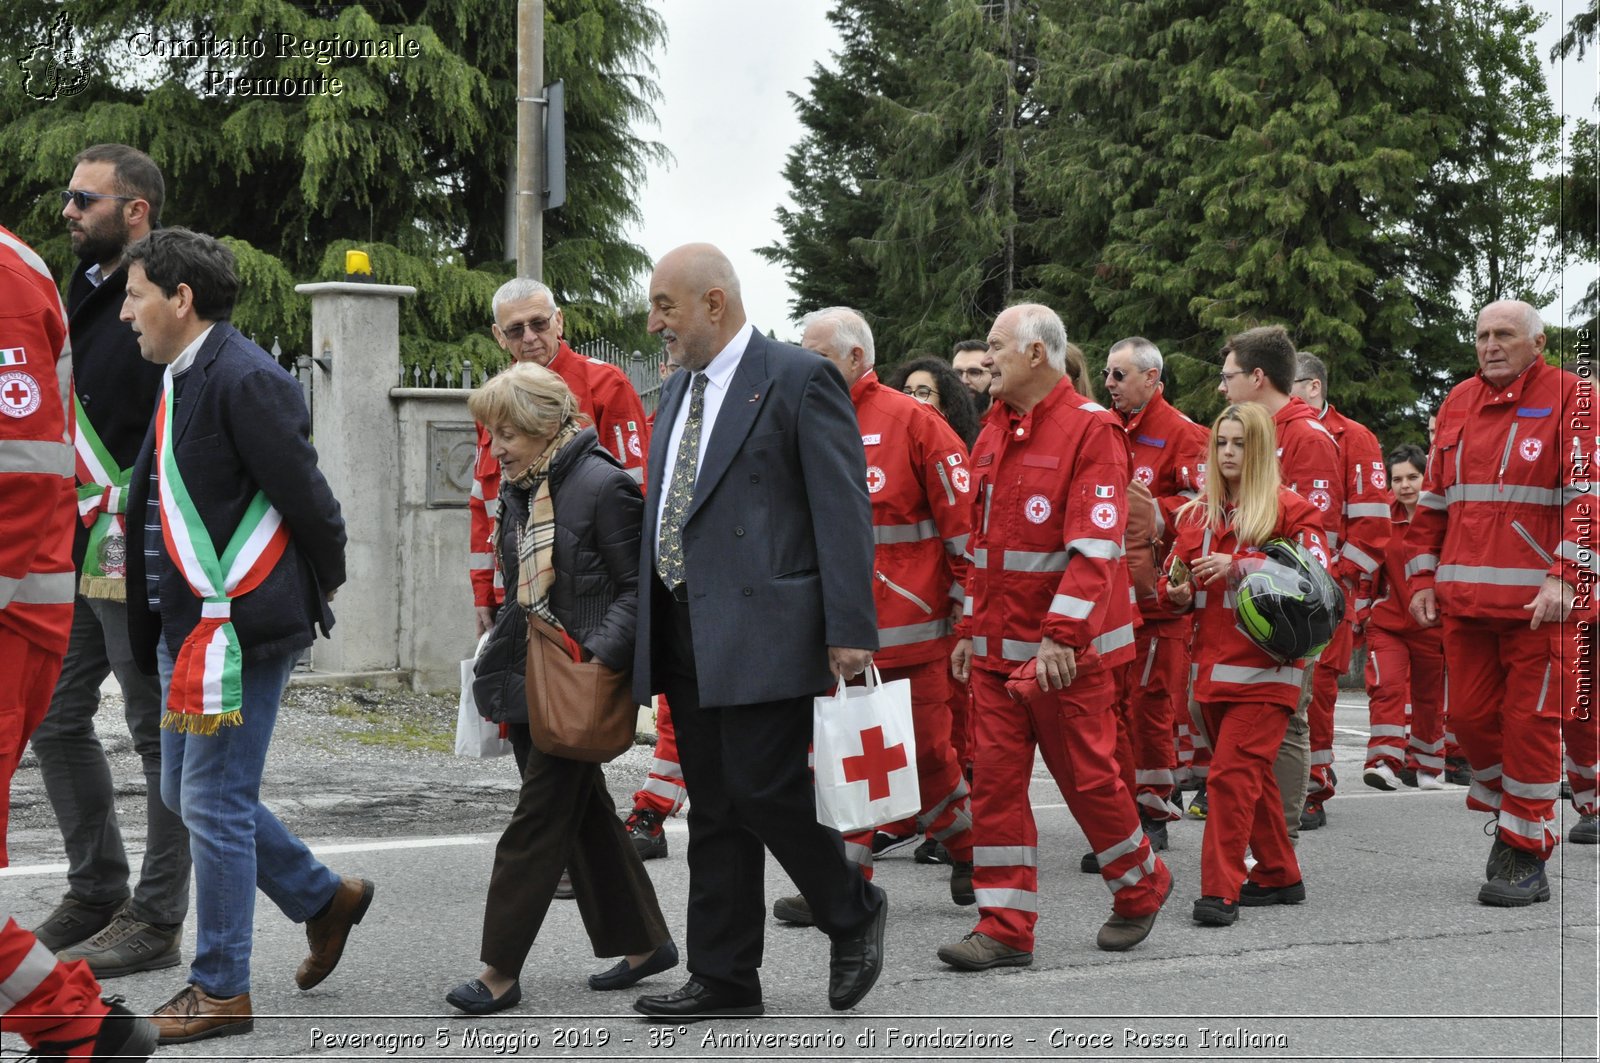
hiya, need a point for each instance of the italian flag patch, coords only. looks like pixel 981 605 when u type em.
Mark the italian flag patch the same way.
pixel 12 356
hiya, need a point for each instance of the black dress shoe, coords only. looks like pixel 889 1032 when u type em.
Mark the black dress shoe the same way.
pixel 693 1002
pixel 856 961
pixel 622 976
pixel 474 998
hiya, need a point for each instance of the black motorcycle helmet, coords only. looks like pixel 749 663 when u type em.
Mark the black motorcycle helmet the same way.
pixel 1284 600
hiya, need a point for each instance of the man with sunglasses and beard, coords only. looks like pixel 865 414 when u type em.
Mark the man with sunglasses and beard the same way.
pixel 114 199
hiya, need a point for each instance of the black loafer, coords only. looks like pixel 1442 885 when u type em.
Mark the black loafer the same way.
pixel 474 998
pixel 856 962
pixel 694 1002
pixel 622 976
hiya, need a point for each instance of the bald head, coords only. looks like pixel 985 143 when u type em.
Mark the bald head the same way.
pixel 695 305
pixel 1510 338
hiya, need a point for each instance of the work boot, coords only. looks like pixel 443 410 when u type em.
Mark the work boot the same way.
pixel 1313 815
pixel 122 1036
pixel 1252 895
pixel 328 931
pixel 73 921
pixel 961 882
pixel 793 910
pixel 128 946
pixel 195 1015
pixel 979 952
pixel 1214 911
pixel 1458 772
pixel 1499 852
pixel 1199 804
pixel 1408 776
pixel 1089 864
pixel 645 829
pixel 1586 831
pixel 1122 932
pixel 1518 882
pixel 932 852
pixel 1156 831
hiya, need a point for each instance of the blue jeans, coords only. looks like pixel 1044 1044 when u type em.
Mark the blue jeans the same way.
pixel 214 783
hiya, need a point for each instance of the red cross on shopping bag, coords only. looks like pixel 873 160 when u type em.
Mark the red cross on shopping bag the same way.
pixel 875 763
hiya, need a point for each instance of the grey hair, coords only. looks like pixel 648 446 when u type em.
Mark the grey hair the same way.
pixel 849 329
pixel 1309 365
pixel 517 289
pixel 1037 323
pixel 1532 322
pixel 1145 354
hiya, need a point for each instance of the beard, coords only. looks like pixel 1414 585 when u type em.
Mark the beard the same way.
pixel 981 401
pixel 101 242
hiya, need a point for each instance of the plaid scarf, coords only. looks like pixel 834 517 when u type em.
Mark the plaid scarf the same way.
pixel 536 542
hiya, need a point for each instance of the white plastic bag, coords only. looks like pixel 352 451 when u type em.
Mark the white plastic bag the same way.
pixel 865 755
pixel 475 736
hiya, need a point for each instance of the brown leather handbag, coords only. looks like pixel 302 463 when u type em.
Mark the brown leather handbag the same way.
pixel 581 710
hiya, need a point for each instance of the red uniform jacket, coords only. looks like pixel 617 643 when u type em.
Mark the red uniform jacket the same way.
pixel 1228 667
pixel 1168 452
pixel 1366 507
pixel 1391 603
pixel 604 393
pixel 1508 497
pixel 38 500
pixel 1046 544
pixel 921 490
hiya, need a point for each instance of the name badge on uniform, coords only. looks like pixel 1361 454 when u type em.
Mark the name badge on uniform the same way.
pixel 872 440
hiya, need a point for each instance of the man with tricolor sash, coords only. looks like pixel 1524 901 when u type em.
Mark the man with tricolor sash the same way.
pixel 234 555
pixel 114 198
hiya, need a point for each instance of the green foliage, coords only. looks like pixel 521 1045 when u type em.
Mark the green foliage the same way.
pixel 409 161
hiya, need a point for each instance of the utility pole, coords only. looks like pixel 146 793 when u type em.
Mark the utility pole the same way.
pixel 530 139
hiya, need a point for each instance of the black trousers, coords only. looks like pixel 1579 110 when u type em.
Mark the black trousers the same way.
pixel 565 819
pixel 750 787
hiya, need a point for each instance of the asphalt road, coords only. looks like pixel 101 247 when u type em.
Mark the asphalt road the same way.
pixel 1390 958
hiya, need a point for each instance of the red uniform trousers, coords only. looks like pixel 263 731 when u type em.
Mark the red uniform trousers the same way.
pixel 663 789
pixel 1508 687
pixel 1333 663
pixel 39 998
pixel 1192 753
pixel 946 813
pixel 1406 671
pixel 1580 728
pixel 1153 689
pixel 960 714
pixel 1075 731
pixel 1246 808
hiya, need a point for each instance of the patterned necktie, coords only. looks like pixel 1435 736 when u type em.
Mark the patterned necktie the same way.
pixel 669 560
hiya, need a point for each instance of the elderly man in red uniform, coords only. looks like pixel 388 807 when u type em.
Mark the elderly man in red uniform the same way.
pixel 1259 365
pixel 55 1007
pixel 1168 450
pixel 920 486
pixel 1367 528
pixel 1501 550
pixel 1048 600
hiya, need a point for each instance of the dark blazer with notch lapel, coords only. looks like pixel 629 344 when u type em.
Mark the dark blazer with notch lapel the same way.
pixel 241 425
pixel 778 539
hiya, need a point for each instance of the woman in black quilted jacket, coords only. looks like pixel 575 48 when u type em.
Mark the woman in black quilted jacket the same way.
pixel 568 544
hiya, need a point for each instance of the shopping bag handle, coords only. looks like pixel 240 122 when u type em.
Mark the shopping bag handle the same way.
pixel 874 680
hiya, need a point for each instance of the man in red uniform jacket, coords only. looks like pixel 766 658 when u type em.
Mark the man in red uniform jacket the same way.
pixel 1168 451
pixel 1048 595
pixel 1259 366
pixel 1359 560
pixel 1501 551
pixel 55 1007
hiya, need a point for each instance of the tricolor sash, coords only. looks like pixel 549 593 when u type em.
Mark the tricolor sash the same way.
pixel 102 500
pixel 207 691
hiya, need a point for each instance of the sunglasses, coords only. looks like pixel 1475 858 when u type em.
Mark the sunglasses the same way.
pixel 83 200
pixel 1119 375
pixel 514 332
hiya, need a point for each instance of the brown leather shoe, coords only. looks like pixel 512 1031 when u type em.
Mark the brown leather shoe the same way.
pixel 328 933
pixel 194 1015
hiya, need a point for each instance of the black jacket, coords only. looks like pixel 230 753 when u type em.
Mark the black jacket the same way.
pixel 240 426
pixel 595 556
pixel 117 387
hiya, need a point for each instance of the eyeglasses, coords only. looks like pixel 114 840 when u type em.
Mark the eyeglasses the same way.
pixel 514 332
pixel 83 200
pixel 973 371
pixel 922 393
pixel 1304 379
pixel 1227 376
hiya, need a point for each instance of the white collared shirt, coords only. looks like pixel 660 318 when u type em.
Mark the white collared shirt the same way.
pixel 719 374
pixel 181 364
pixel 94 276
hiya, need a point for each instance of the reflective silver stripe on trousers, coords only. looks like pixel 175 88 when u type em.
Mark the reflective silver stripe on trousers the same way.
pixel 1122 848
pixel 1232 673
pixel 39 588
pixel 1397 752
pixel 860 855
pixel 1104 549
pixel 1375 510
pixel 1071 608
pixel 1016 900
pixel 1152 777
pixel 1134 875
pixel 1034 561
pixel 1499 577
pixel 1114 639
pixel 904 533
pixel 1525 828
pixel 1483 795
pixel 29 975
pixel 1579 555
pixel 1526 493
pixel 1005 855
pixel 911 634
pixel 1321 756
pixel 1572 767
pixel 36 456
pixel 1387 730
pixel 1530 791
pixel 1421 563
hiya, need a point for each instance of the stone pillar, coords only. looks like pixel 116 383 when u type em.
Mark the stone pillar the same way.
pixel 355 347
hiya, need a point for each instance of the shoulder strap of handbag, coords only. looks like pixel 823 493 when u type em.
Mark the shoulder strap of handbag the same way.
pixel 207 690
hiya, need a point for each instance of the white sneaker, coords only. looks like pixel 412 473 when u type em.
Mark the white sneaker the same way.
pixel 1382 778
pixel 1429 782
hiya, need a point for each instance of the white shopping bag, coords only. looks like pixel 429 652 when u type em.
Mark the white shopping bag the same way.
pixel 475 736
pixel 865 754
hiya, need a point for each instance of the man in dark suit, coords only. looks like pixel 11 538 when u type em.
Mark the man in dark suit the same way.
pixel 235 552
pixel 756 577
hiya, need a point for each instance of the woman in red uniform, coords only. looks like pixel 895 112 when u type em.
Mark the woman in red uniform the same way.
pixel 1245 696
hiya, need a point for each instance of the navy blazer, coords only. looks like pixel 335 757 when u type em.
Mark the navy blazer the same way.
pixel 240 426
pixel 778 539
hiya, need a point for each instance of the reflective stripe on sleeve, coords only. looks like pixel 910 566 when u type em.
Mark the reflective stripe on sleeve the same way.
pixel 1524 493
pixel 1103 549
pixel 1233 673
pixel 1582 556
pixel 911 634
pixel 1374 510
pixel 1071 608
pixel 1115 639
pixel 904 533
pixel 1422 563
pixel 1035 560
pixel 39 588
pixel 36 456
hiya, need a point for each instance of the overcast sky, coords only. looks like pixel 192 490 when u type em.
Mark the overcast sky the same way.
pixel 725 76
